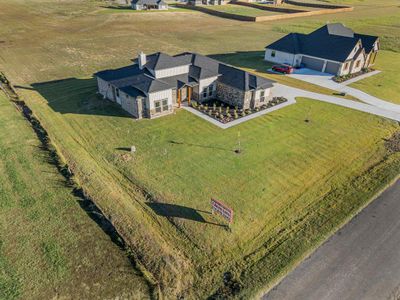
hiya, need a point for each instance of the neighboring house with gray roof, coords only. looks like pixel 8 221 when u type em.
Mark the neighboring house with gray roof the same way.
pixel 206 2
pixel 333 49
pixel 149 4
pixel 158 83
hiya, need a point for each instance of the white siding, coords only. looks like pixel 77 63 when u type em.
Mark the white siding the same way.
pixel 361 60
pixel 354 51
pixel 167 94
pixel 282 57
pixel 105 89
pixel 172 72
pixel 205 83
pixel 266 95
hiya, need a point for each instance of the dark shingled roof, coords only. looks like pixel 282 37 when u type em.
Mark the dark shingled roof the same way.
pixel 368 41
pixel 201 66
pixel 332 41
pixel 115 74
pixel 161 61
pixel 242 80
pixel 136 82
pixel 148 2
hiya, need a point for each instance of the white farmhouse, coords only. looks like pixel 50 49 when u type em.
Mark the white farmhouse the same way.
pixel 333 49
pixel 158 83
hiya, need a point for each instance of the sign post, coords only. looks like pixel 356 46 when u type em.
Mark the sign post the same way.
pixel 222 209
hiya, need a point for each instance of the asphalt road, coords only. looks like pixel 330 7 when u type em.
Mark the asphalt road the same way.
pixel 361 261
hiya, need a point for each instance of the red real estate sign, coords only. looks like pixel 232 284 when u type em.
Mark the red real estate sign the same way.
pixel 222 209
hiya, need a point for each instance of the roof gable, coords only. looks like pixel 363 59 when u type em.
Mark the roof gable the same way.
pixel 332 41
pixel 162 61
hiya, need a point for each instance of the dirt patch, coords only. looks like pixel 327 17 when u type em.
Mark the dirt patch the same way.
pixel 393 144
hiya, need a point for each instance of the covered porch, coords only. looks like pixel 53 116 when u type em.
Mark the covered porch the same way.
pixel 185 92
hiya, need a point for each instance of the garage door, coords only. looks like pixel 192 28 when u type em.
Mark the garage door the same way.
pixel 312 63
pixel 332 68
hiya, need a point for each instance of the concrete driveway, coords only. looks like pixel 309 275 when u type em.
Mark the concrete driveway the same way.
pixel 291 93
pixel 361 261
pixel 325 80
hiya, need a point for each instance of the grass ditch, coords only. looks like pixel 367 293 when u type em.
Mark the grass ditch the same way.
pixel 85 202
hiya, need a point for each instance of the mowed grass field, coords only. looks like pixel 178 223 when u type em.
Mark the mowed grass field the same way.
pixel 294 182
pixel 49 247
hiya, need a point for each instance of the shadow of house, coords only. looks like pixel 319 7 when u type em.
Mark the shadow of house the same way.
pixel 80 96
pixel 176 211
pixel 77 96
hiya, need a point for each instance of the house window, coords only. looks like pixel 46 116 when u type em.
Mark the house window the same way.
pixel 273 53
pixel 262 96
pixel 157 105
pixel 346 66
pixel 210 90
pixel 161 105
pixel 165 104
pixel 205 93
pixel 117 92
pixel 358 64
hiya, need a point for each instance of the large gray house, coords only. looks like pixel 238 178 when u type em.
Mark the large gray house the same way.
pixel 333 49
pixel 158 83
pixel 149 4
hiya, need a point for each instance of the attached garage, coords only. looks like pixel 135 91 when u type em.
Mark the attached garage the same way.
pixel 332 68
pixel 312 63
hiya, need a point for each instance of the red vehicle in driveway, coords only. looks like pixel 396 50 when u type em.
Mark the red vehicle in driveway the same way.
pixel 283 69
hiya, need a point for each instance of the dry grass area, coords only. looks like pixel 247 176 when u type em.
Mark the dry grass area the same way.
pixel 294 183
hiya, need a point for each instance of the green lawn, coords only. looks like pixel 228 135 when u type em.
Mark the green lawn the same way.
pixel 290 177
pixel 293 184
pixel 49 247
pixel 385 85
pixel 242 10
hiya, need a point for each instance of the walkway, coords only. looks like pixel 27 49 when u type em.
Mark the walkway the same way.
pixel 290 101
pixel 291 93
pixel 325 80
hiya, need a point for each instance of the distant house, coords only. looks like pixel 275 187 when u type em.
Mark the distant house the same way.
pixel 206 2
pixel 149 4
pixel 158 83
pixel 333 49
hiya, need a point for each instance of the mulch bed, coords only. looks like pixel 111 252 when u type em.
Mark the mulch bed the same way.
pixel 340 79
pixel 225 113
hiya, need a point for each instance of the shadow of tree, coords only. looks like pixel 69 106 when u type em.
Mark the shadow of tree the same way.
pixel 77 96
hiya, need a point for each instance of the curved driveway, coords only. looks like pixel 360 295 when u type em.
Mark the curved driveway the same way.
pixel 325 80
pixel 291 93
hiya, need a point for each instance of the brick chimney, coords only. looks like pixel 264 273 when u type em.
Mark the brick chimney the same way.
pixel 142 60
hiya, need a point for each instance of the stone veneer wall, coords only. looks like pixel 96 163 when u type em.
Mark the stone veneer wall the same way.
pixel 233 96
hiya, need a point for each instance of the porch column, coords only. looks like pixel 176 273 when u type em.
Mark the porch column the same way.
pixel 189 94
pixel 324 67
pixel 179 97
